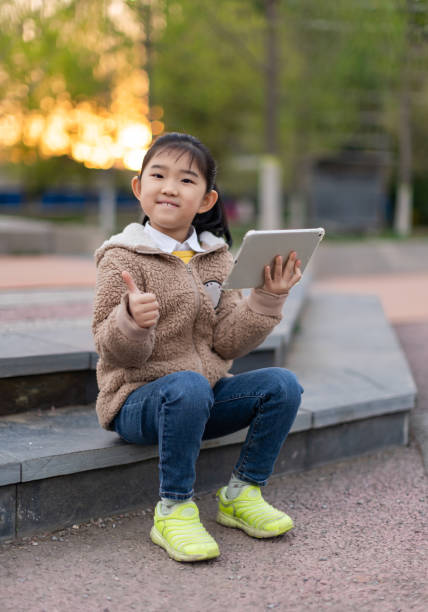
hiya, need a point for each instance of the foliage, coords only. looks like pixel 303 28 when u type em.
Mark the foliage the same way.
pixel 57 54
pixel 341 64
pixel 339 61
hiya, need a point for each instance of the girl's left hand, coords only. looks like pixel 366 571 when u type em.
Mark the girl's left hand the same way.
pixel 282 278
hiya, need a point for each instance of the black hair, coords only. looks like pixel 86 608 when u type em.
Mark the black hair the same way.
pixel 214 220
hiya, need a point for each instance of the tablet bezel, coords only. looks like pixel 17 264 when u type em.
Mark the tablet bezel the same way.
pixel 262 246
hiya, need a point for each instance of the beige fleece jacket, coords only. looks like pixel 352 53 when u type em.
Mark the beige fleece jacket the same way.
pixel 200 327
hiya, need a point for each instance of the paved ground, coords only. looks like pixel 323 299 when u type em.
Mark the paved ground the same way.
pixel 44 271
pixel 361 536
pixel 360 544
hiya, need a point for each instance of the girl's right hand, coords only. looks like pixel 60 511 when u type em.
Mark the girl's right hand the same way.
pixel 143 307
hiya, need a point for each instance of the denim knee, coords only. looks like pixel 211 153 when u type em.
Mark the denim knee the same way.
pixel 284 383
pixel 188 390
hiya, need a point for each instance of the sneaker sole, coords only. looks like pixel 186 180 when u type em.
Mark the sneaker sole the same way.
pixel 156 538
pixel 237 523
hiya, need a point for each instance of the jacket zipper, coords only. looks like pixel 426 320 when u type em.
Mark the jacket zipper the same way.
pixel 198 305
pixel 195 287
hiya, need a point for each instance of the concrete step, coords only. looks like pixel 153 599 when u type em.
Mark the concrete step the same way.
pixel 45 363
pixel 21 235
pixel 58 467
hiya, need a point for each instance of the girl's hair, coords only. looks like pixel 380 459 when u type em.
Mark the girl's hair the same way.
pixel 214 220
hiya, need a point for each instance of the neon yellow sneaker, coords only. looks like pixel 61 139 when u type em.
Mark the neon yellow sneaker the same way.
pixel 182 534
pixel 249 512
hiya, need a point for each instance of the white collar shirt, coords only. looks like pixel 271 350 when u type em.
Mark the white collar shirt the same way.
pixel 169 245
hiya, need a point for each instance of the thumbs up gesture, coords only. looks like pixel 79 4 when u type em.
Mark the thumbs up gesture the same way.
pixel 144 307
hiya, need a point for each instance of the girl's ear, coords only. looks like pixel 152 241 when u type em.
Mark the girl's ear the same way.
pixel 209 200
pixel 136 187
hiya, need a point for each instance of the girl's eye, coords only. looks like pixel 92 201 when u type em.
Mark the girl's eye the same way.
pixel 187 180
pixel 157 175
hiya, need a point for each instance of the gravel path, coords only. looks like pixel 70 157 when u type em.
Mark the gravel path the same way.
pixel 360 543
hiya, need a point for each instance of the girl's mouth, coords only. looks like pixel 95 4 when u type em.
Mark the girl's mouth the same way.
pixel 168 204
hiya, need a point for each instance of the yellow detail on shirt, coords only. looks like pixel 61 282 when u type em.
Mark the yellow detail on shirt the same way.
pixel 186 256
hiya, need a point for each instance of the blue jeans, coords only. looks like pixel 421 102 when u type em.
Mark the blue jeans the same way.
pixel 180 410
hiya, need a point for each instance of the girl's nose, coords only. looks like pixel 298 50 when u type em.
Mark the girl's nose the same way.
pixel 169 187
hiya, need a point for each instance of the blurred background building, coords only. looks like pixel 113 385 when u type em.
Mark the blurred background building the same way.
pixel 348 192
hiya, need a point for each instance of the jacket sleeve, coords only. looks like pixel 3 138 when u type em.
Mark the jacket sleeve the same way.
pixel 118 339
pixel 243 323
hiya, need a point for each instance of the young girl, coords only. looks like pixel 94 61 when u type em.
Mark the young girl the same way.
pixel 166 335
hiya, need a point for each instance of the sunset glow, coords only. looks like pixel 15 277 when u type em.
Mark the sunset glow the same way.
pixel 94 135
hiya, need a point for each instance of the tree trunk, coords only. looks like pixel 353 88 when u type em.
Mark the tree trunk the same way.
pixel 148 46
pixel 404 198
pixel 271 76
pixel 270 196
pixel 403 205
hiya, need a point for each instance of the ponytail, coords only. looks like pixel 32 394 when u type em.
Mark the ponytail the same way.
pixel 214 221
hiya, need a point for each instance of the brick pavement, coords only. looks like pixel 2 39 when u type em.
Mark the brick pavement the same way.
pixel 400 279
pixel 44 271
pixel 404 296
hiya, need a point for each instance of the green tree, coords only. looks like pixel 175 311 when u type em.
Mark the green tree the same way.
pixel 300 77
pixel 336 63
pixel 58 55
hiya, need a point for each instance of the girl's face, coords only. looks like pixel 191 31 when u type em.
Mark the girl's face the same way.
pixel 171 192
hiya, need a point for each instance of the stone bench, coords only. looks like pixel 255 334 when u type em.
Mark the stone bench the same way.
pixel 32 356
pixel 59 467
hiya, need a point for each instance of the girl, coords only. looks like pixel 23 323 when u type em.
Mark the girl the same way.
pixel 166 335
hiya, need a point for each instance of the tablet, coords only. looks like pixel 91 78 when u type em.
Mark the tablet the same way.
pixel 259 248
